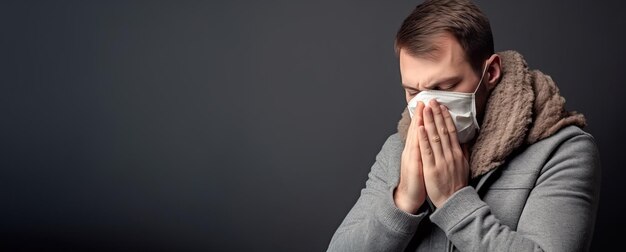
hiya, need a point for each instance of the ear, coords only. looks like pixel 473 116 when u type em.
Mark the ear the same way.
pixel 493 72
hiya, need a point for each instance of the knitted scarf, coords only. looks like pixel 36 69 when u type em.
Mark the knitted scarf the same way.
pixel 523 108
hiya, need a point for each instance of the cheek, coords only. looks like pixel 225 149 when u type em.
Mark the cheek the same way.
pixel 408 97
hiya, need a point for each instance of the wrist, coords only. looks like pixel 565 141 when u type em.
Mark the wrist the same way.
pixel 404 203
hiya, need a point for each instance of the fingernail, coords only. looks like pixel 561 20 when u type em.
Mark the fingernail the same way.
pixel 443 107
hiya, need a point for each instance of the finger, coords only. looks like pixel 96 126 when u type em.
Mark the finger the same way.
pixel 433 135
pixel 454 141
pixel 426 152
pixel 415 121
pixel 442 130
pixel 420 112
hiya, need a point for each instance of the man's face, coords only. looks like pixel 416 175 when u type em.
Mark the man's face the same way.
pixel 446 70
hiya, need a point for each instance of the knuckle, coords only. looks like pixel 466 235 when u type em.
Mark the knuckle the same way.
pixel 441 166
pixel 452 130
pixel 436 140
pixel 457 152
pixel 450 160
pixel 444 131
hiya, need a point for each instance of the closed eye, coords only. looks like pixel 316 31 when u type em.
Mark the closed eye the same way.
pixel 446 84
pixel 409 90
pixel 448 87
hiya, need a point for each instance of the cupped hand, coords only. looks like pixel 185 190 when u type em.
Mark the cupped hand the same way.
pixel 444 163
pixel 410 193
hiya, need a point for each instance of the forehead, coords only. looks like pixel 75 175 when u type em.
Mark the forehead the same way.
pixel 449 59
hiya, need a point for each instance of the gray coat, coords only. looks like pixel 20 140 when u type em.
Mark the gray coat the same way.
pixel 544 197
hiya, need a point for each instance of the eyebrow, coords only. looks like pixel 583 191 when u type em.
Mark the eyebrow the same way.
pixel 407 87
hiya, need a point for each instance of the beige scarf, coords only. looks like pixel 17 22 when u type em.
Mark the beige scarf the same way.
pixel 523 108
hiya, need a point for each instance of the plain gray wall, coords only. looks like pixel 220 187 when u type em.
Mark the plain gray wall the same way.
pixel 243 125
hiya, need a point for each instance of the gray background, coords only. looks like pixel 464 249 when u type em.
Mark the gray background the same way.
pixel 243 125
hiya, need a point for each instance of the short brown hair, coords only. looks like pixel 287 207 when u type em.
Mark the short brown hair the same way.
pixel 461 18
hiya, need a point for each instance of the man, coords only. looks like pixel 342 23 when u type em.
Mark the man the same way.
pixel 485 159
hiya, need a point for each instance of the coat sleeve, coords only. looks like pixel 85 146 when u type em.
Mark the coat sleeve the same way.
pixel 559 214
pixel 375 223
